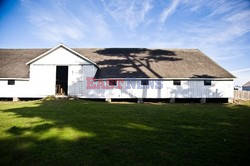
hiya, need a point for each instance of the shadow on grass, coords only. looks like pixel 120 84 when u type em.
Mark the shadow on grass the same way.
pixel 92 133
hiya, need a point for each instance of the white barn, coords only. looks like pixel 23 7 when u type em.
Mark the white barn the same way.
pixel 112 73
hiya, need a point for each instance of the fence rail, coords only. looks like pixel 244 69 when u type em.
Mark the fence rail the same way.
pixel 241 95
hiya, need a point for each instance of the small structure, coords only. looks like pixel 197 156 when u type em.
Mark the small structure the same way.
pixel 246 86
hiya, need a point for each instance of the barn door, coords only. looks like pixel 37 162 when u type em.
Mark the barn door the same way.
pixel 61 80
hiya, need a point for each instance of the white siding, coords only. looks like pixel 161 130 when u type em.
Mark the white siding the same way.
pixel 187 89
pixel 44 84
pixel 18 90
pixel 78 78
pixel 42 80
pixel 75 79
pixel 196 89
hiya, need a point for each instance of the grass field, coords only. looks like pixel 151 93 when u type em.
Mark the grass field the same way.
pixel 80 132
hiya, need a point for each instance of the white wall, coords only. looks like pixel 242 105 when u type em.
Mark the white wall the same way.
pixel 17 90
pixel 45 85
pixel 77 78
pixel 42 79
pixel 188 89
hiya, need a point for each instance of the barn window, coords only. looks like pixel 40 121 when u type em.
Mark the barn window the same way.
pixel 177 82
pixel 11 82
pixel 112 82
pixel 144 82
pixel 207 82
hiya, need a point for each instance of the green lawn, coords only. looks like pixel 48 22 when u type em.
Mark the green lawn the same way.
pixel 80 132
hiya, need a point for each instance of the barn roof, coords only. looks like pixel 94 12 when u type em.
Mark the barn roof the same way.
pixel 247 84
pixel 125 63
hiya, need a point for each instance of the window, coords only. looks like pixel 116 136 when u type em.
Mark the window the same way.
pixel 207 82
pixel 11 82
pixel 112 82
pixel 144 82
pixel 177 82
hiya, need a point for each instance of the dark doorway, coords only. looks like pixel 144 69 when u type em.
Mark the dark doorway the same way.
pixel 62 80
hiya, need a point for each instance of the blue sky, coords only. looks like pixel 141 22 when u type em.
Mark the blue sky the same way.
pixel 219 28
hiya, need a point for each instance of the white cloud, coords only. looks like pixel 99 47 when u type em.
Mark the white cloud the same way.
pixel 131 13
pixel 57 24
pixel 100 28
pixel 225 21
pixel 195 5
pixel 223 57
pixel 243 76
pixel 169 10
pixel 54 23
pixel 223 7
pixel 213 32
pixel 241 70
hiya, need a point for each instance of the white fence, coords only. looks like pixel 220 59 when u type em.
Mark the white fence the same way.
pixel 241 95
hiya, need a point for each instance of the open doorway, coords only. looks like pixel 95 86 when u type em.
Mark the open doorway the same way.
pixel 61 80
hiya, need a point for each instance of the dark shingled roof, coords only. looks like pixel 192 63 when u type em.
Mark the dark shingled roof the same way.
pixel 125 63
pixel 13 62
